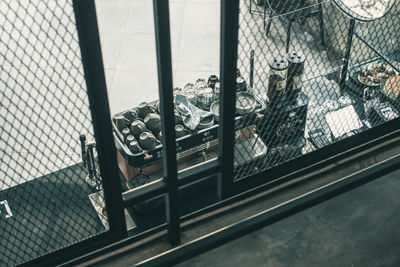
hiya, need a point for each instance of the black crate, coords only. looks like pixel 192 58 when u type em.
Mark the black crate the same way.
pixel 197 138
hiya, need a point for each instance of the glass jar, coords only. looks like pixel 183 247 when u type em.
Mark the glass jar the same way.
pixel 277 79
pixel 295 75
pixel 190 92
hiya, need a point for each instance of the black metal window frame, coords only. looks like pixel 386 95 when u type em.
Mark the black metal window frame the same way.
pixel 228 190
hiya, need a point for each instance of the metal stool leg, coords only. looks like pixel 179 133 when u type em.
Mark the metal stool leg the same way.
pixel 265 13
pixel 269 22
pixel 250 10
pixel 289 28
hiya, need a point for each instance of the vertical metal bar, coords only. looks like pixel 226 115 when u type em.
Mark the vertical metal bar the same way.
pixel 321 22
pixel 226 130
pixel 89 42
pixel 347 53
pixel 163 44
pixel 251 68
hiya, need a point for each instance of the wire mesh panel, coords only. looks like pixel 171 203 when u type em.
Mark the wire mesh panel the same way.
pixel 291 53
pixel 44 189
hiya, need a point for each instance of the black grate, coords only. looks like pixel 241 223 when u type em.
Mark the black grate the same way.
pixel 327 109
pixel 44 200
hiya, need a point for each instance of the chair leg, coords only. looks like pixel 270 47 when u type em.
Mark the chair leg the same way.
pixel 321 23
pixel 269 23
pixel 289 28
pixel 250 10
pixel 264 14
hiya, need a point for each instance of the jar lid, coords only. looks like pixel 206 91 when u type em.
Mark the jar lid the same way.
pixel 296 57
pixel 213 78
pixel 278 63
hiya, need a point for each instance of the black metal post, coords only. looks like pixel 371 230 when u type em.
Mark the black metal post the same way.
pixel 89 41
pixel 163 43
pixel 226 130
pixel 347 53
pixel 251 68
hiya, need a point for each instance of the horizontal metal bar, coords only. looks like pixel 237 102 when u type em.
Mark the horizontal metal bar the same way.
pixel 159 186
pixel 73 251
pixel 145 192
pixel 201 170
pixel 273 215
pixel 120 247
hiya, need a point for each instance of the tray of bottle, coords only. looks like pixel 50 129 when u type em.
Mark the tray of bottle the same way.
pixel 196 140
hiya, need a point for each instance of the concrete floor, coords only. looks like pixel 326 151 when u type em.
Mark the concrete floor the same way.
pixel 359 228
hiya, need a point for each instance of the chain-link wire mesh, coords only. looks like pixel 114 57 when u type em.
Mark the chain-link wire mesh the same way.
pixel 298 49
pixel 44 203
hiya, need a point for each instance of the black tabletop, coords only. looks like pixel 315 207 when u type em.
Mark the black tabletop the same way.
pixel 48 213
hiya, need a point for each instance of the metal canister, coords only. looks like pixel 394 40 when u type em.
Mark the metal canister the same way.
pixel 277 79
pixel 212 80
pixel 138 127
pixel 295 74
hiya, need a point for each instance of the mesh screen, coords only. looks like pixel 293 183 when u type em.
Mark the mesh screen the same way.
pixel 307 107
pixel 44 203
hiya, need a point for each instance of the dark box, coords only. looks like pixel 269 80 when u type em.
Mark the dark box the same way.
pixel 284 121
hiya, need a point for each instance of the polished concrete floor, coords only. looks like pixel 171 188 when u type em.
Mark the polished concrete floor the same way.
pixel 359 228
